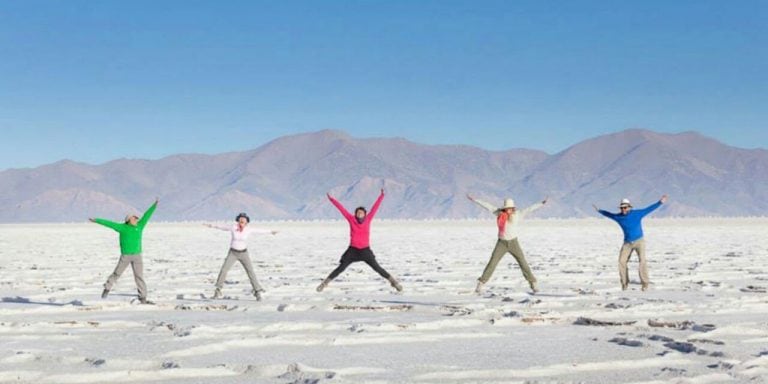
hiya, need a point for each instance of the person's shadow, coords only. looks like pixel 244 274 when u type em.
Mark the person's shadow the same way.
pixel 24 300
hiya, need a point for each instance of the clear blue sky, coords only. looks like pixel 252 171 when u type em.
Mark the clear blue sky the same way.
pixel 98 80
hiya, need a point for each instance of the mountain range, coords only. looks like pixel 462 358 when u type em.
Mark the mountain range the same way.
pixel 289 177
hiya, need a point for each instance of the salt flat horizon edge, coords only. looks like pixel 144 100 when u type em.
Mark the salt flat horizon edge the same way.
pixel 358 330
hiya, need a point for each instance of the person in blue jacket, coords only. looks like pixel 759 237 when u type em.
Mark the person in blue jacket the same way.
pixel 630 222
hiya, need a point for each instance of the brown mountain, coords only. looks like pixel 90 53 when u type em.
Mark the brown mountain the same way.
pixel 288 178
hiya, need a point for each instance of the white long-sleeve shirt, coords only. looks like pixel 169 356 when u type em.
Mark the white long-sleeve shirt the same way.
pixel 511 228
pixel 240 238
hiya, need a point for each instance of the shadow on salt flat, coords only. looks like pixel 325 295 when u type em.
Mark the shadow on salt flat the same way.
pixel 24 300
pixel 411 302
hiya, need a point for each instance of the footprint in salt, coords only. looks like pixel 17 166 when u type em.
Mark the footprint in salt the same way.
pixel 299 373
pixel 626 342
pixel 95 362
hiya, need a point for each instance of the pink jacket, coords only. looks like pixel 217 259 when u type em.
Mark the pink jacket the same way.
pixel 359 233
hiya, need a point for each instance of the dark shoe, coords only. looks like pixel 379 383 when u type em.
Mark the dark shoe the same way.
pixel 104 293
pixel 217 293
pixel 144 300
pixel 257 294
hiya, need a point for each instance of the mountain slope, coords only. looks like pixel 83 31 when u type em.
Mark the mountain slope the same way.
pixel 289 177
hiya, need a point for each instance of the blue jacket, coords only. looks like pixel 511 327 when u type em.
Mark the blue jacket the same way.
pixel 631 223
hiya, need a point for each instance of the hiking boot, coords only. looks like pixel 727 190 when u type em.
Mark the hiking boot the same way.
pixel 217 293
pixel 395 284
pixel 104 293
pixel 323 285
pixel 479 288
pixel 533 286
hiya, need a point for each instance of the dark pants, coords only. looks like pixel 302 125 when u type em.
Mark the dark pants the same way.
pixel 356 254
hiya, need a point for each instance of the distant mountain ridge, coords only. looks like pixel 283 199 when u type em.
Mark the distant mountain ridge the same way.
pixel 288 178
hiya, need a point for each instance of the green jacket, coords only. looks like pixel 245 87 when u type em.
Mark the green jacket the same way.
pixel 130 236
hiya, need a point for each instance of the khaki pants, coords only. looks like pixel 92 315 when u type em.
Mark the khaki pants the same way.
pixel 138 273
pixel 245 260
pixel 626 251
pixel 502 247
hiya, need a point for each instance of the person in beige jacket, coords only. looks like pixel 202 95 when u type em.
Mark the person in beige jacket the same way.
pixel 508 220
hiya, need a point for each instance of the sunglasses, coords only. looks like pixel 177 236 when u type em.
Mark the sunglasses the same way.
pixel 623 207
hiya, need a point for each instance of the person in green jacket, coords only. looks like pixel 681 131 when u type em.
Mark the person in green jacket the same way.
pixel 130 250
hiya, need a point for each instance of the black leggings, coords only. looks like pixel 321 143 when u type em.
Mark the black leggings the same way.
pixel 356 254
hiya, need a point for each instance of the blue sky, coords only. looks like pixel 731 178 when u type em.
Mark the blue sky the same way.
pixel 98 80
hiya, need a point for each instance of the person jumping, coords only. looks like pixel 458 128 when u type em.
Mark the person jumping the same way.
pixel 359 244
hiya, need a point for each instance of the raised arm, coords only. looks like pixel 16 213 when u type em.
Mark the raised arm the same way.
pixel 147 215
pixel 653 206
pixel 483 204
pixel 341 208
pixel 534 207
pixel 376 205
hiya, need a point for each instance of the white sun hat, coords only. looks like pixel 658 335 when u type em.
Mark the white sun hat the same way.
pixel 508 203
pixel 625 203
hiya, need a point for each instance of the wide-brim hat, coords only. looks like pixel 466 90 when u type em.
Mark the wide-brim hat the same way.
pixel 508 203
pixel 625 203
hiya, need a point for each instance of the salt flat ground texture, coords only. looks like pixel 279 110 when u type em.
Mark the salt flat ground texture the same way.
pixel 704 320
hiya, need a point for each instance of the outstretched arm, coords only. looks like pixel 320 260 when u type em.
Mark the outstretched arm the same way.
pixel 376 205
pixel 606 213
pixel 483 204
pixel 147 215
pixel 534 207
pixel 653 206
pixel 262 231
pixel 341 208
pixel 219 227
pixel 106 223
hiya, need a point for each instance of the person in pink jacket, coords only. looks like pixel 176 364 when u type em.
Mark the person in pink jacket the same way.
pixel 359 243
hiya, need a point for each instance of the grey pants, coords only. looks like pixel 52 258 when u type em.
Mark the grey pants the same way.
pixel 138 273
pixel 245 260
pixel 502 247
pixel 626 250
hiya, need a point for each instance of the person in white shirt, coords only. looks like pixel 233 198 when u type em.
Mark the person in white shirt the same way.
pixel 238 251
pixel 508 221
